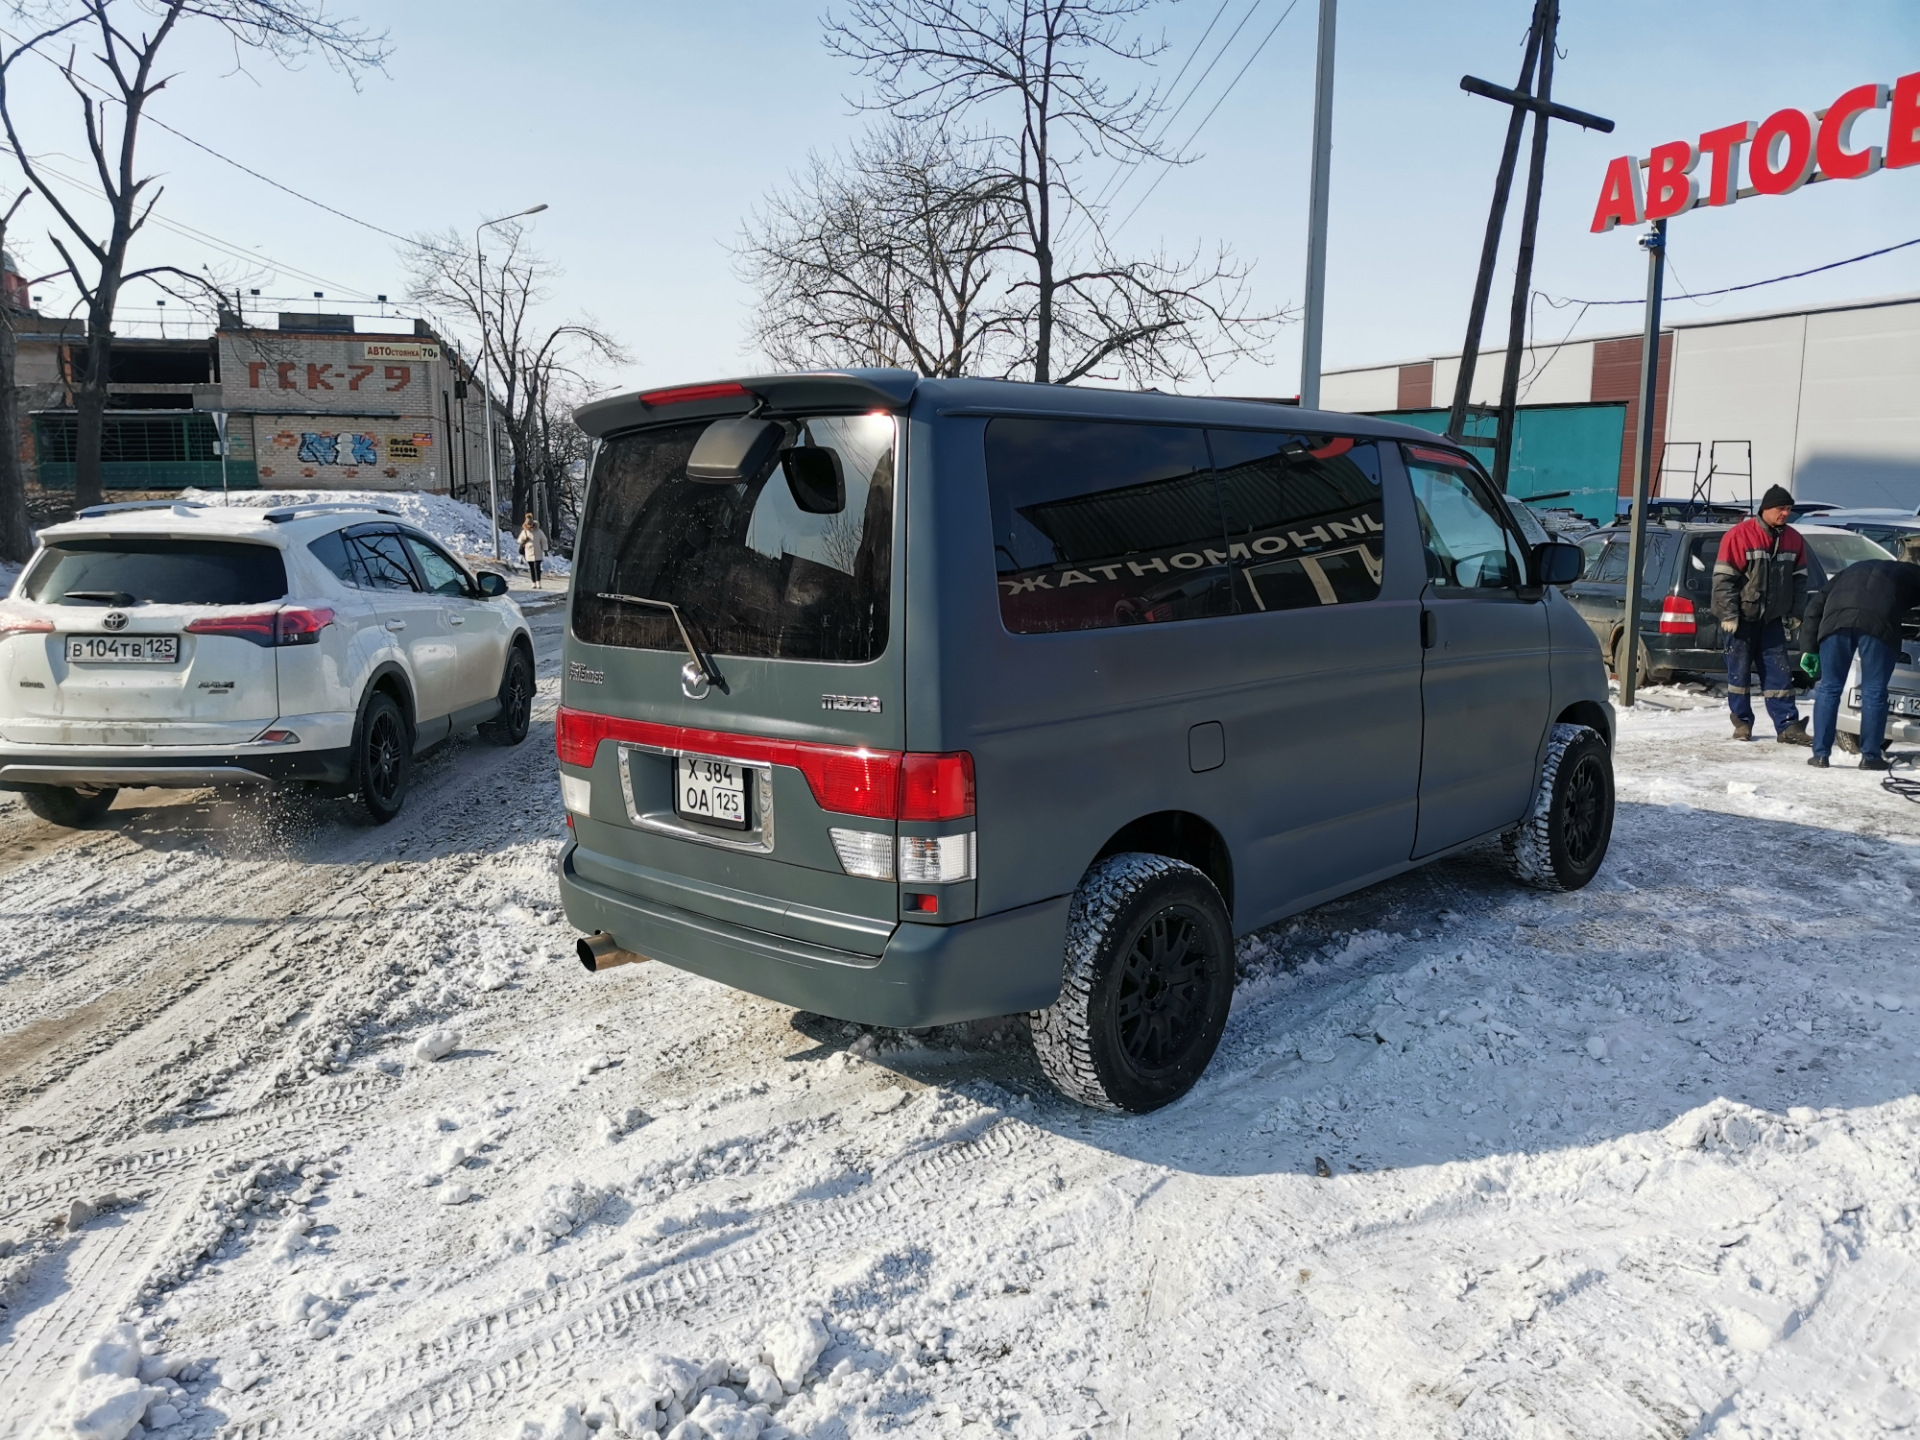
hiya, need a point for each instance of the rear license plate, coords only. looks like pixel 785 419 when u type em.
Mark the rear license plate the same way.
pixel 123 649
pixel 711 791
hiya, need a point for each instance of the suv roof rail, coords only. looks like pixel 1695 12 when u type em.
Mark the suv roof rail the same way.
pixel 280 514
pixel 121 506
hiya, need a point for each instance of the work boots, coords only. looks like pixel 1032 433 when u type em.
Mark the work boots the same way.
pixel 1794 733
pixel 1742 729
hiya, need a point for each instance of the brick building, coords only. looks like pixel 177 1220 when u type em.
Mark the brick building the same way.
pixel 314 403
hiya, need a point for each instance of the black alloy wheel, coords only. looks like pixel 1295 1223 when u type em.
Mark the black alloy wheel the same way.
pixel 385 758
pixel 1584 827
pixel 509 727
pixel 1164 990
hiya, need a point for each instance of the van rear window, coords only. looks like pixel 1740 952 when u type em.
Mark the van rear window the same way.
pixel 752 573
pixel 1100 524
pixel 116 571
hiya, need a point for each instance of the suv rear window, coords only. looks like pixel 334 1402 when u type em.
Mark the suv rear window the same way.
pixel 157 571
pixel 752 573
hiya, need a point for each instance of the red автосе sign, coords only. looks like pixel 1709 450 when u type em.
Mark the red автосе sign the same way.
pixel 1783 152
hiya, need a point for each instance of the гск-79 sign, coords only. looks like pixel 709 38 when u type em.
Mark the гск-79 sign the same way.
pixel 1782 153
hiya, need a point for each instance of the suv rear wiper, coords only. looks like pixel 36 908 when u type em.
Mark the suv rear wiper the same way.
pixel 105 597
pixel 699 670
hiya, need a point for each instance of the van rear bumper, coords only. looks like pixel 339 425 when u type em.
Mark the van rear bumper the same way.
pixel 928 974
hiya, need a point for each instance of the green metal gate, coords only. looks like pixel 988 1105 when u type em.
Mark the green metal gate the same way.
pixel 1571 448
pixel 139 450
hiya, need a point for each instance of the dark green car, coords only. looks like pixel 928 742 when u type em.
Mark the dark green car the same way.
pixel 915 701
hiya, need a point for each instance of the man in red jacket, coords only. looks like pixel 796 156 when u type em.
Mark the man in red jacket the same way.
pixel 1760 583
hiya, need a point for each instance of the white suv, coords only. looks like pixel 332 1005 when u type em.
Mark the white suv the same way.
pixel 184 645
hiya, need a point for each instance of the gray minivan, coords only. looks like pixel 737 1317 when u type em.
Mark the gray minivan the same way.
pixel 911 701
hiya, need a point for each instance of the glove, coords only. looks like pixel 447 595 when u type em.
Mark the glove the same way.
pixel 1810 664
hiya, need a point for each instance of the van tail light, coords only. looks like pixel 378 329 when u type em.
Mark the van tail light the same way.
pixel 1677 617
pixel 24 625
pixel 936 787
pixel 290 625
pixel 844 779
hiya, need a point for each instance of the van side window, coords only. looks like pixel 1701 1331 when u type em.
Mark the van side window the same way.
pixel 1098 524
pixel 1468 544
pixel 1305 525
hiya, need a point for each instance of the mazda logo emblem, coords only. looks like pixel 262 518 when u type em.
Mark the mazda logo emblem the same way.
pixel 115 620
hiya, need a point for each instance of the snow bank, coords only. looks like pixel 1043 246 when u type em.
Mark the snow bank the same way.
pixel 461 527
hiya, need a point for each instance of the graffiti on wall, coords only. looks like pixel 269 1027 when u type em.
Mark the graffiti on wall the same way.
pixel 342 449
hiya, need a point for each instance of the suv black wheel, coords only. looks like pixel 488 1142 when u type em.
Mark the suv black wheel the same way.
pixel 509 727
pixel 61 805
pixel 1149 981
pixel 383 760
pixel 1560 845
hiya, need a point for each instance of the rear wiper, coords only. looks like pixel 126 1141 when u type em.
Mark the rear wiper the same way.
pixel 699 670
pixel 105 597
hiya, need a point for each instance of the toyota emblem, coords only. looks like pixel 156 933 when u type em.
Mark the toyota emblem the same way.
pixel 116 620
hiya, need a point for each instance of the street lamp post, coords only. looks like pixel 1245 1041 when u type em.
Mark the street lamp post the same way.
pixel 486 353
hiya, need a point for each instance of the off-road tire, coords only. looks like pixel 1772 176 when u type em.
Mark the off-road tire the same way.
pixel 65 806
pixel 1120 1037
pixel 1563 840
pixel 509 727
pixel 382 758
pixel 1847 741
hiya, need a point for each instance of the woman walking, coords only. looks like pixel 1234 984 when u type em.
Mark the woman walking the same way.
pixel 533 547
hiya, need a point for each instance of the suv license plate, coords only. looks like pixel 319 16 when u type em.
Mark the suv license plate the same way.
pixel 711 791
pixel 123 649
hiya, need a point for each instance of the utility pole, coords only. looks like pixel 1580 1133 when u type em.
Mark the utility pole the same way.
pixel 1541 34
pixel 1628 660
pixel 486 354
pixel 1317 213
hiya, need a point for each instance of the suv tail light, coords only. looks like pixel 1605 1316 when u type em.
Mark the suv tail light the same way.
pixel 874 784
pixel 24 625
pixel 1677 617
pixel 289 625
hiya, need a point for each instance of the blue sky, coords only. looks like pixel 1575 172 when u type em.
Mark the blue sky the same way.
pixel 652 129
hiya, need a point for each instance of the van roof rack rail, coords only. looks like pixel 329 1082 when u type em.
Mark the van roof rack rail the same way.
pixel 280 514
pixel 121 506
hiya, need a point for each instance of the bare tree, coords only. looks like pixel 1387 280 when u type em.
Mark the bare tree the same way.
pixel 111 108
pixel 16 532
pixel 893 255
pixel 1031 77
pixel 539 370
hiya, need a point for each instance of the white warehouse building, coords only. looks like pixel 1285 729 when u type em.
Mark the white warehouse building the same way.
pixel 1824 400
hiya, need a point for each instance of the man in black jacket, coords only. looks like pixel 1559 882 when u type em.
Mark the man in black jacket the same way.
pixel 1859 613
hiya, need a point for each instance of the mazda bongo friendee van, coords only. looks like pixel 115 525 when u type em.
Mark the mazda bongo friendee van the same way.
pixel 913 701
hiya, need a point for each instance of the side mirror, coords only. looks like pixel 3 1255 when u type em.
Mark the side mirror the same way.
pixel 492 584
pixel 815 480
pixel 729 451
pixel 1558 563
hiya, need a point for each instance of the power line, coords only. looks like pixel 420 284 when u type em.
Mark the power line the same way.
pixel 1560 302
pixel 228 159
pixel 1210 114
pixel 1123 171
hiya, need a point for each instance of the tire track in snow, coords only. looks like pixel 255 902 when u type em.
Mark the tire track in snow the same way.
pixel 512 1350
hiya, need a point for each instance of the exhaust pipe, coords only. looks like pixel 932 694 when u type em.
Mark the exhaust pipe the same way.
pixel 600 951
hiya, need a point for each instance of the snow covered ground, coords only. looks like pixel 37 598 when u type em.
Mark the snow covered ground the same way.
pixel 461 527
pixel 315 1129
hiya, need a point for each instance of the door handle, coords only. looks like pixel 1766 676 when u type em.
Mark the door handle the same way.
pixel 1427 629
pixel 396 624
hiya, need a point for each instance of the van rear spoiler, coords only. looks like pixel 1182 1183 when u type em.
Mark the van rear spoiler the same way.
pixel 821 390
